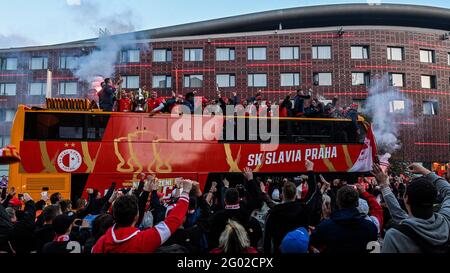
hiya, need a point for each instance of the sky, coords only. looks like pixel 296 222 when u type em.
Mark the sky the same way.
pixel 25 22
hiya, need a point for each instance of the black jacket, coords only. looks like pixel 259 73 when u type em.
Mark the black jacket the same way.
pixel 43 235
pixel 345 232
pixel 299 101
pixel 6 229
pixel 282 219
pixel 106 98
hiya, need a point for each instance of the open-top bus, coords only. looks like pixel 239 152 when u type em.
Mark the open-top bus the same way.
pixel 70 151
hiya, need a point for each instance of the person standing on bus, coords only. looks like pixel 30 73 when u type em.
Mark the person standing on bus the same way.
pixel 299 102
pixel 106 96
pixel 125 102
pixel 154 103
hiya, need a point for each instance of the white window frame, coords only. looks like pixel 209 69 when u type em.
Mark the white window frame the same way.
pixel 43 65
pixel 64 61
pixel 251 53
pixel 5 63
pixel 63 88
pixel 167 55
pixel 397 106
pixel 428 81
pixel 294 53
pixel 125 55
pixel 126 82
pixel 392 80
pixel 358 52
pixel 167 81
pixel 43 87
pixel 426 56
pixel 391 49
pixel 434 107
pixel 320 78
pixel 293 81
pixel 190 54
pixel 357 76
pixel 251 79
pixel 317 54
pixel 229 79
pixel 4 88
pixel 231 54
pixel 188 80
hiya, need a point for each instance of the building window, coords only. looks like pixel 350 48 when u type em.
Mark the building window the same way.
pixel 396 106
pixel 428 82
pixel 162 55
pixel 8 89
pixel 290 79
pixel 5 140
pixel 38 63
pixel 226 80
pixel 193 81
pixel 321 52
pixel 430 107
pixel 130 56
pixel 7 115
pixel 193 54
pixel 68 88
pixel 256 53
pixel 395 53
pixel 8 64
pixel 225 54
pixel 322 79
pixel 426 56
pixel 257 80
pixel 289 53
pixel 38 88
pixel 448 58
pixel 162 81
pixel 396 79
pixel 68 62
pixel 130 82
pixel 360 52
pixel 360 78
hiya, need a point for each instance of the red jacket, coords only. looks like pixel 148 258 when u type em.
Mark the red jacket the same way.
pixel 375 209
pixel 132 240
pixel 153 103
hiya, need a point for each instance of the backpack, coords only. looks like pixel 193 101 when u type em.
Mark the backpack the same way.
pixel 424 246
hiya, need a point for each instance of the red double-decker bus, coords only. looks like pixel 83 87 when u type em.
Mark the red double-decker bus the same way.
pixel 70 151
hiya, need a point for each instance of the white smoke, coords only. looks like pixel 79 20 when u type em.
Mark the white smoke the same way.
pixel 378 107
pixel 102 60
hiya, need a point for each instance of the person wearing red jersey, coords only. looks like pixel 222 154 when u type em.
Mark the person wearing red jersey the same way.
pixel 125 103
pixel 155 104
pixel 124 237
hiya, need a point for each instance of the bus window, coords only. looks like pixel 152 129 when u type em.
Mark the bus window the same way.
pixel 96 125
pixel 64 126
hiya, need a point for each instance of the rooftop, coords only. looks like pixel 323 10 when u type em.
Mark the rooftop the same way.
pixel 301 17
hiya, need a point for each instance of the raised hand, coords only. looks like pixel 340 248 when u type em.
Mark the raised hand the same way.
pixel 380 176
pixel 418 169
pixel 248 173
pixel 186 185
pixel 226 183
pixel 309 165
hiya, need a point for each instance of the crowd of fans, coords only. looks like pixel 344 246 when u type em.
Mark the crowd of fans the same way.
pixel 307 214
pixel 290 106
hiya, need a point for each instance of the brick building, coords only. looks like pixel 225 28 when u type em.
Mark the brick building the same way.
pixel 336 50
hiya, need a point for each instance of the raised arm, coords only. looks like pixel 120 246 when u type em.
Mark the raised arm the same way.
pixel 397 213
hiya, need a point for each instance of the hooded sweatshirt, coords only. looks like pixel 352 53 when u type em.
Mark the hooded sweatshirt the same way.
pixel 435 230
pixel 132 240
